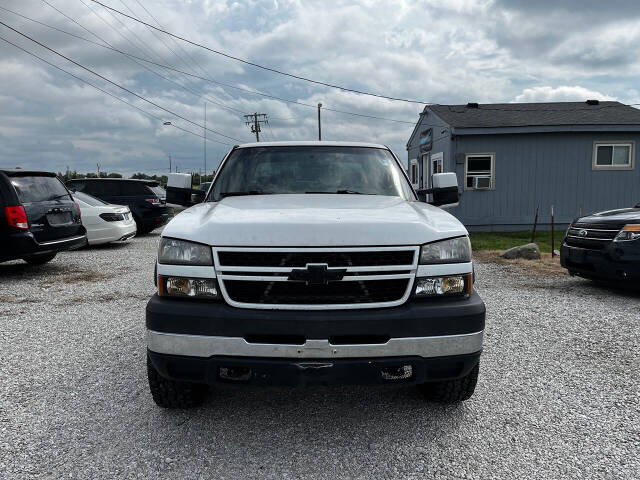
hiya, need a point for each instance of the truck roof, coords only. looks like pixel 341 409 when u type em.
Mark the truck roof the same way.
pixel 311 143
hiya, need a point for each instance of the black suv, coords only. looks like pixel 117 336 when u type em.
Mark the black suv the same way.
pixel 604 246
pixel 145 198
pixel 38 217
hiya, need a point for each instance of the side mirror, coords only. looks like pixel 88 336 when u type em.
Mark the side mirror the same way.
pixel 444 191
pixel 179 191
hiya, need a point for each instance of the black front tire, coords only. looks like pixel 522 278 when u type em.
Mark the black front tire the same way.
pixel 171 393
pixel 451 391
pixel 39 259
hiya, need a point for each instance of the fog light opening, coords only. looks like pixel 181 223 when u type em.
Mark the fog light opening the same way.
pixel 397 373
pixel 236 374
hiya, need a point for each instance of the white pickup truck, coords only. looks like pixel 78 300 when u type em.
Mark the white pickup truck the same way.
pixel 313 263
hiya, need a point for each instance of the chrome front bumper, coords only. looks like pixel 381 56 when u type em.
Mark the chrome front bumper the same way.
pixel 208 346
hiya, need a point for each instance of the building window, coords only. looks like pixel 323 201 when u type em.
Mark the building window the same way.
pixel 613 155
pixel 479 171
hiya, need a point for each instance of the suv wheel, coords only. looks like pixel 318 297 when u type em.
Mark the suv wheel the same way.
pixel 39 259
pixel 451 391
pixel 173 394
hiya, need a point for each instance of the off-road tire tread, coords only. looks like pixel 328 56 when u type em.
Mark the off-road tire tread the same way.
pixel 452 391
pixel 173 394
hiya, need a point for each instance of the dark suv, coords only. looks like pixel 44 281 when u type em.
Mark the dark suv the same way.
pixel 143 197
pixel 604 246
pixel 38 217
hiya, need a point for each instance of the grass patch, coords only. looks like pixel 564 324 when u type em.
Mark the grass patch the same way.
pixel 505 240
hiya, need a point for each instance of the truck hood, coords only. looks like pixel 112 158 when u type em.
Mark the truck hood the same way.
pixel 313 220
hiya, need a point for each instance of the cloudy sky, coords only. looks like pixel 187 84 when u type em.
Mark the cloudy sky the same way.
pixel 447 52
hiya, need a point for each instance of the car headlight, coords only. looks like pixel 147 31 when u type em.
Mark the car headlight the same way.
pixel 628 233
pixel 453 250
pixel 182 252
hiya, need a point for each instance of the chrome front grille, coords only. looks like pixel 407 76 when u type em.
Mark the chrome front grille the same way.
pixel 591 236
pixel 315 278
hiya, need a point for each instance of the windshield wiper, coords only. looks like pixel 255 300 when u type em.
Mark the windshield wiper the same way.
pixel 239 194
pixel 343 192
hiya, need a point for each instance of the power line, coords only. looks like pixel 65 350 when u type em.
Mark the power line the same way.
pixel 271 132
pixel 274 70
pixel 156 35
pixel 114 83
pixel 253 92
pixel 175 42
pixel 257 65
pixel 109 46
pixel 184 87
pixel 106 91
pixel 206 79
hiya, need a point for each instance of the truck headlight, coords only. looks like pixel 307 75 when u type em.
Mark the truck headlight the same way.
pixel 447 285
pixel 170 286
pixel 628 233
pixel 181 252
pixel 453 250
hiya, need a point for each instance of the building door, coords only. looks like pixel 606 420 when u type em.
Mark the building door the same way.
pixel 425 180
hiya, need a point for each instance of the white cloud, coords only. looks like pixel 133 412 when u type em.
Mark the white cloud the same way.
pixel 560 94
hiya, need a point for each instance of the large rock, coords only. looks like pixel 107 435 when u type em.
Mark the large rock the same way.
pixel 530 251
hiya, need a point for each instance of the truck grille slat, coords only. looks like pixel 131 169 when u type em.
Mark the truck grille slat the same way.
pixel 300 259
pixel 350 277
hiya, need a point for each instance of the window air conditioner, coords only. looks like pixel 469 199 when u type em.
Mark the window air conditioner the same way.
pixel 482 183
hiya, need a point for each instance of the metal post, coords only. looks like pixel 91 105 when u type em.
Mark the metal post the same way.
pixel 535 224
pixel 553 242
pixel 205 139
pixel 255 125
pixel 319 123
pixel 169 162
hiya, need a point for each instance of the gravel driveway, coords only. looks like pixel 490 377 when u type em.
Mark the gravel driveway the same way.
pixel 558 394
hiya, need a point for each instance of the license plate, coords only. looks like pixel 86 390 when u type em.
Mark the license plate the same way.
pixel 59 218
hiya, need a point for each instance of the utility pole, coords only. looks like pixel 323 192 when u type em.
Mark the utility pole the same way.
pixel 169 155
pixel 205 139
pixel 254 120
pixel 319 124
pixel 98 165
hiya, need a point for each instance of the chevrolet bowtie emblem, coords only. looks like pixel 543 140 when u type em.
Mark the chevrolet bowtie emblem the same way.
pixel 317 274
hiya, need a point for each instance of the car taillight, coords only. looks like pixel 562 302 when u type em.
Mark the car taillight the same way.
pixel 154 201
pixel 17 217
pixel 79 211
pixel 112 217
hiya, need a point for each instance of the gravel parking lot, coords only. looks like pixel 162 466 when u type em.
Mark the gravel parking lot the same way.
pixel 558 395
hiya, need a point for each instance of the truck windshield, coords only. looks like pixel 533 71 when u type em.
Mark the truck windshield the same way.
pixel 310 169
